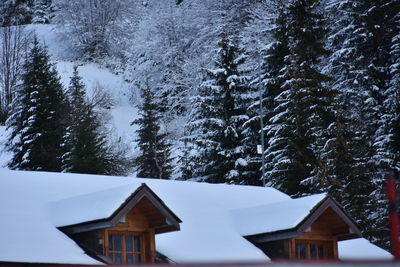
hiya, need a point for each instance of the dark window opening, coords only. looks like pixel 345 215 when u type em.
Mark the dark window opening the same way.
pixel 125 248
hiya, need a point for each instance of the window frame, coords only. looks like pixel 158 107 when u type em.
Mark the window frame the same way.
pixel 308 243
pixel 123 251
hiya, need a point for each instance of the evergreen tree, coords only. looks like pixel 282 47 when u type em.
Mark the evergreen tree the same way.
pixel 41 11
pixel 217 123
pixel 361 40
pixel 15 12
pixel 387 145
pixel 272 80
pixel 302 107
pixel 155 159
pixel 85 143
pixel 38 118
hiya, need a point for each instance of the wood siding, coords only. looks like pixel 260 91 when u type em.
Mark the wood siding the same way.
pixel 138 222
pixel 322 231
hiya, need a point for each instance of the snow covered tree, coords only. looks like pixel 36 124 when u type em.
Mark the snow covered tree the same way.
pixel 13 45
pixel 38 117
pixel 218 115
pixel 271 36
pixel 155 159
pixel 41 11
pixel 85 143
pixel 386 38
pixel 15 12
pixel 361 41
pixel 303 102
pixel 91 24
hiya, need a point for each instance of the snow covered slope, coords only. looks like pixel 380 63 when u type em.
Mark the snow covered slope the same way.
pixel 118 117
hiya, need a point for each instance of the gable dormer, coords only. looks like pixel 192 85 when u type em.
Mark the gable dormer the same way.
pixel 128 235
pixel 315 236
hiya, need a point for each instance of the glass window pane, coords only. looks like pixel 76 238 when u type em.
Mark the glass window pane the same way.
pixel 129 258
pixel 118 258
pixel 128 243
pixel 138 258
pixel 320 251
pixel 313 251
pixel 300 250
pixel 117 243
pixel 110 242
pixel 137 244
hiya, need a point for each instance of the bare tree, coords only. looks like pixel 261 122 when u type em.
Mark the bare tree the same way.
pixel 90 23
pixel 13 44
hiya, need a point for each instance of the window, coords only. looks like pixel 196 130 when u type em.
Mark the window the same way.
pixel 125 247
pixel 311 250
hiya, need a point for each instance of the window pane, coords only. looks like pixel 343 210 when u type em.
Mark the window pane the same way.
pixel 117 243
pixel 137 244
pixel 138 258
pixel 313 251
pixel 300 250
pixel 110 242
pixel 129 258
pixel 128 243
pixel 118 258
pixel 320 251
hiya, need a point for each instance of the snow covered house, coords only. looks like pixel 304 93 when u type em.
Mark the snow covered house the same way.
pixel 87 219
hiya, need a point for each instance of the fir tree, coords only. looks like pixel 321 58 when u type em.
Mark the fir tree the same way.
pixel 386 143
pixel 41 11
pixel 84 142
pixel 217 123
pixel 155 159
pixel 38 118
pixel 302 107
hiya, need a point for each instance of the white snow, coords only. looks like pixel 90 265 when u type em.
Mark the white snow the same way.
pixel 275 216
pixel 361 249
pixel 27 234
pixel 212 214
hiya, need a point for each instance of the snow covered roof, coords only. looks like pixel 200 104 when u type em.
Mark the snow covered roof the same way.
pixel 34 204
pixel 286 215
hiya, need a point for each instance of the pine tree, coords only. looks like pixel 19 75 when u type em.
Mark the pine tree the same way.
pixel 15 12
pixel 271 79
pixel 155 159
pixel 41 11
pixel 217 123
pixel 302 105
pixel 85 143
pixel 386 143
pixel 361 42
pixel 38 118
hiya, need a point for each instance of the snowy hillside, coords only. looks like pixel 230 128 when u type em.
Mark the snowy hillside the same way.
pixel 122 112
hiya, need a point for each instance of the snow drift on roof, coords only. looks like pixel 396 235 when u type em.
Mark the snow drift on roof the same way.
pixel 280 215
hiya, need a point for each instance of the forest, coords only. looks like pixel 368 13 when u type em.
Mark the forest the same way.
pixel 314 83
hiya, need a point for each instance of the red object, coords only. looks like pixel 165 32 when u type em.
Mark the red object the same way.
pixel 393 217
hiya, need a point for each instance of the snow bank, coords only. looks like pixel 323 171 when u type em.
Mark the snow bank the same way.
pixel 361 249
